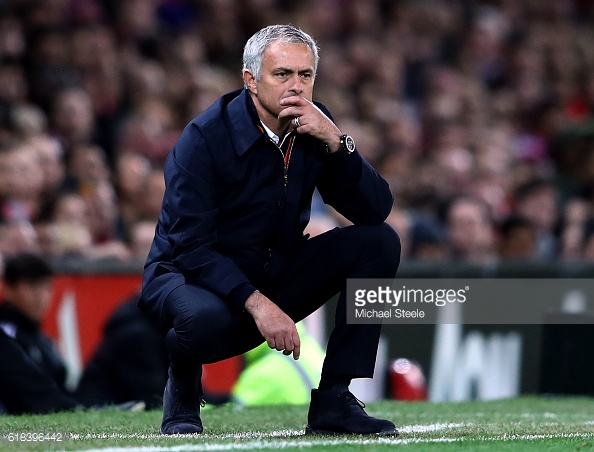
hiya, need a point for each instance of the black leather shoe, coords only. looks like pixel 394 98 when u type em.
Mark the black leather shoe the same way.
pixel 337 411
pixel 181 408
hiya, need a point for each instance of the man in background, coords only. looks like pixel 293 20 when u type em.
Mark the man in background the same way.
pixel 129 364
pixel 32 374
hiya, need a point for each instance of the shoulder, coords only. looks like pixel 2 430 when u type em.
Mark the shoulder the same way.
pixel 213 116
pixel 207 127
pixel 9 321
pixel 8 329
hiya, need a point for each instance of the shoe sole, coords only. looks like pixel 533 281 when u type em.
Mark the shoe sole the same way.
pixel 188 433
pixel 314 431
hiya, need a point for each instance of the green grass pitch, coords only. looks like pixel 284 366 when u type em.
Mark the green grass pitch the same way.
pixel 522 424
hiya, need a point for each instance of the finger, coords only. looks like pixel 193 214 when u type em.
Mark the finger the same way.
pixel 271 343
pixel 296 346
pixel 297 352
pixel 289 344
pixel 290 112
pixel 287 352
pixel 280 345
pixel 294 100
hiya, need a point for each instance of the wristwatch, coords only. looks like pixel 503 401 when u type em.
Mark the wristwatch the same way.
pixel 347 144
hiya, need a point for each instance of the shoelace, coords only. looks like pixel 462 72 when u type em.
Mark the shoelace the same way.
pixel 352 400
pixel 201 402
pixel 178 404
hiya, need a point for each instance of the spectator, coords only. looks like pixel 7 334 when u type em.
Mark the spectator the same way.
pixel 72 118
pixel 23 184
pixel 471 230
pixel 517 239
pixel 105 224
pixel 33 374
pixel 18 236
pixel 131 173
pixel 130 363
pixel 69 231
pixel 50 159
pixel 537 201
pixel 87 167
pixel 429 240
pixel 153 190
pixel 142 233
pixel 575 226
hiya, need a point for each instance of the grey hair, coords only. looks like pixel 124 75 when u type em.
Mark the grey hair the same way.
pixel 286 34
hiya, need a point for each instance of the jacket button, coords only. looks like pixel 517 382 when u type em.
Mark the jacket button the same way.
pixel 281 204
pixel 267 266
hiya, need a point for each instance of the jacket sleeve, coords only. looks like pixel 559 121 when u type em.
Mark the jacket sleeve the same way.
pixel 351 185
pixel 190 179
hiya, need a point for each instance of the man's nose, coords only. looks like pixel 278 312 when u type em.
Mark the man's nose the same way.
pixel 297 86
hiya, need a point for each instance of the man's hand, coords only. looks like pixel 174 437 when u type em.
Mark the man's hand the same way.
pixel 278 328
pixel 311 120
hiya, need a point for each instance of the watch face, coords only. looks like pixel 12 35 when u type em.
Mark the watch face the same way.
pixel 349 143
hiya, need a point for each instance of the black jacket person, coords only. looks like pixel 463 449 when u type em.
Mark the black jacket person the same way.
pixel 230 267
pixel 32 374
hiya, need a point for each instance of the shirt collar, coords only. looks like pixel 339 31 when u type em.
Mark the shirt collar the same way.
pixel 273 136
pixel 243 123
pixel 10 313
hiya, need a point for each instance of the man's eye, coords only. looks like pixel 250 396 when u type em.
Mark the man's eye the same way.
pixel 281 74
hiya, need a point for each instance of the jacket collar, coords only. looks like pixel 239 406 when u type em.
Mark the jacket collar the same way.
pixel 11 314
pixel 242 119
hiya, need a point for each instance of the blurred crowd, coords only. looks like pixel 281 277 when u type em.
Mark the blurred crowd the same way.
pixel 478 113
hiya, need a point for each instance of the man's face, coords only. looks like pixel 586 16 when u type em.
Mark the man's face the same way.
pixel 467 226
pixel 31 297
pixel 287 70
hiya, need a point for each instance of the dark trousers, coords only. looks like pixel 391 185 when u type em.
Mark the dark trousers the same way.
pixel 204 329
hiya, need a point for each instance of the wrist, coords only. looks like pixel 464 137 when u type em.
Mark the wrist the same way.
pixel 346 145
pixel 254 302
pixel 334 144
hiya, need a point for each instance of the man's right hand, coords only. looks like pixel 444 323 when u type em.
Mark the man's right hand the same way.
pixel 278 328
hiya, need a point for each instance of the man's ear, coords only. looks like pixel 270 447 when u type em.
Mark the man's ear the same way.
pixel 250 81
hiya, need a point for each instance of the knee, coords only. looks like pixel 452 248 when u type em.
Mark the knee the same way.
pixel 198 319
pixel 384 243
pixel 383 239
pixel 388 239
pixel 203 327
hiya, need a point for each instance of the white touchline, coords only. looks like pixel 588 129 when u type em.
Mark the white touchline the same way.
pixel 430 428
pixel 280 444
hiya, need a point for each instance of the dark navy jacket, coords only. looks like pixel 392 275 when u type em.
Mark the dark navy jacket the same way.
pixel 32 373
pixel 229 223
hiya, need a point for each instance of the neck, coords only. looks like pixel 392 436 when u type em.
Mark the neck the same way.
pixel 271 121
pixel 278 127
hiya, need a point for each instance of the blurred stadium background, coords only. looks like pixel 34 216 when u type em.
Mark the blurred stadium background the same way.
pixel 478 113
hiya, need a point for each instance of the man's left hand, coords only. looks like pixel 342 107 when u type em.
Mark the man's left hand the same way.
pixel 276 327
